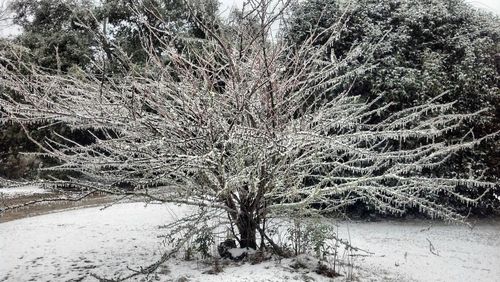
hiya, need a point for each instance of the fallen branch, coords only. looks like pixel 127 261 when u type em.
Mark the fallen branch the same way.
pixel 47 200
pixel 432 249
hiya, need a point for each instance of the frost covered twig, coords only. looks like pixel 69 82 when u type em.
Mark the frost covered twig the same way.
pixel 47 200
pixel 432 249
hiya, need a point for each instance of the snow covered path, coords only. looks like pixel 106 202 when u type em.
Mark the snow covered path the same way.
pixel 69 245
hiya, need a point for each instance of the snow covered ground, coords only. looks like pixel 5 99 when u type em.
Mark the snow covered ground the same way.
pixel 69 245
pixel 426 251
pixel 21 191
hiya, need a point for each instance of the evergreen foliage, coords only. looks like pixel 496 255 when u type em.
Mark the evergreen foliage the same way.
pixel 424 48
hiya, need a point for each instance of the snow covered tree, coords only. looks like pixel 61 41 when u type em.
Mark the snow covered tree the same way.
pixel 51 31
pixel 235 127
pixel 130 21
pixel 425 47
pixel 99 37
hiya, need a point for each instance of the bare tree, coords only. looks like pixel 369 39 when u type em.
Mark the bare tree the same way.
pixel 242 126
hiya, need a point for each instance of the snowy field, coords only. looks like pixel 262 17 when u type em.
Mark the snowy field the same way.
pixel 69 245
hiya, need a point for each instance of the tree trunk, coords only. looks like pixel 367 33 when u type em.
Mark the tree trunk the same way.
pixel 247 226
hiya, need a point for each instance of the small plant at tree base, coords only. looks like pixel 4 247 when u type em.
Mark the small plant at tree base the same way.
pixel 322 238
pixel 203 242
pixel 312 236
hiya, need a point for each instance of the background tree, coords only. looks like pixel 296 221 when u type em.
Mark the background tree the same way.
pixel 51 30
pixel 424 48
pixel 160 21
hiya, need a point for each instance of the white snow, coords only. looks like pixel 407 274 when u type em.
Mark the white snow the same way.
pixel 403 250
pixel 71 244
pixel 236 252
pixel 21 191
